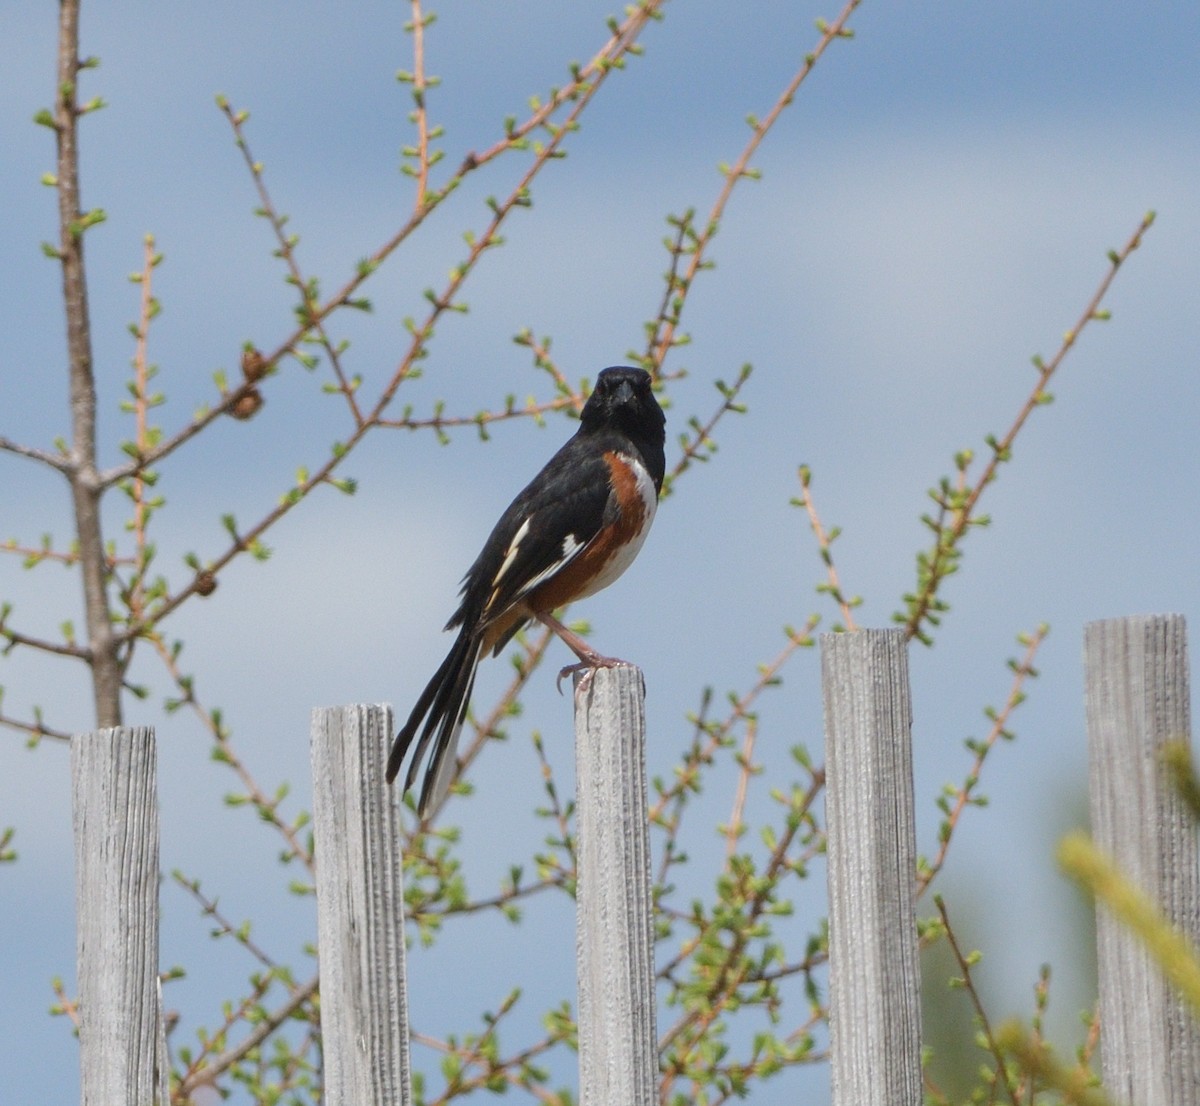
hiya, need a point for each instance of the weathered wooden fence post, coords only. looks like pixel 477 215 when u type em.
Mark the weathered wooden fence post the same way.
pixel 360 909
pixel 122 1046
pixel 874 980
pixel 618 1045
pixel 1137 700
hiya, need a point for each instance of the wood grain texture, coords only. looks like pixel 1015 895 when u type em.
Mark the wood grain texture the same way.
pixel 360 909
pixel 1136 672
pixel 115 813
pixel 618 1040
pixel 874 981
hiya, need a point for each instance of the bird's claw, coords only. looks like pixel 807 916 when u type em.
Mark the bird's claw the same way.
pixel 570 670
pixel 588 668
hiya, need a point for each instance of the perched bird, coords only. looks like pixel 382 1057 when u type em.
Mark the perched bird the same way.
pixel 574 530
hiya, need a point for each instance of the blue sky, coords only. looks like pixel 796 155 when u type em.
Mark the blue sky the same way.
pixel 935 209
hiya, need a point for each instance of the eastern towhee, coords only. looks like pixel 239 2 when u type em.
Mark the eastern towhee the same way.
pixel 574 530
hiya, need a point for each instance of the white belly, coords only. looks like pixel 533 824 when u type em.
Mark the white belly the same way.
pixel 624 557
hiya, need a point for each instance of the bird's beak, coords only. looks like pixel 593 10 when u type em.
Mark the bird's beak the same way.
pixel 624 392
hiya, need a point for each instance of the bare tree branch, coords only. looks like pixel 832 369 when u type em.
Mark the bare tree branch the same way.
pixel 54 460
pixel 85 484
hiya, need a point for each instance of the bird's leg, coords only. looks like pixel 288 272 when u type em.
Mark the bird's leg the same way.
pixel 589 659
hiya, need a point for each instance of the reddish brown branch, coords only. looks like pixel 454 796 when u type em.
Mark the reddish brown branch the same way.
pixel 960 507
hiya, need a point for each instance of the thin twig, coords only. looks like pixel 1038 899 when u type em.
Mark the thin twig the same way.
pixel 134 592
pixel 531 409
pixel 1092 1040
pixel 66 1005
pixel 266 808
pixel 1022 672
pixel 700 437
pixel 675 289
pixel 661 341
pixel 503 899
pixel 13 638
pixel 728 978
pixel 703 751
pixel 422 115
pixel 54 460
pixel 736 824
pixel 1041 1001
pixel 964 965
pixel 824 544
pixel 36 554
pixel 1090 313
pixel 34 730
pixel 209 908
pixel 512 1068
pixel 560 813
pixel 962 507
pixel 209 1073
pixel 568 393
pixel 287 251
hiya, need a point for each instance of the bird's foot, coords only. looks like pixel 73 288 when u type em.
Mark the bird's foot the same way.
pixel 587 666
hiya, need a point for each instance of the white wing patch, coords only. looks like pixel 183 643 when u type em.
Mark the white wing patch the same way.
pixel 511 555
pixel 571 547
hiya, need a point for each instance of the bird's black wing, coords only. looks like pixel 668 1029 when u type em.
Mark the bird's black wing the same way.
pixel 544 528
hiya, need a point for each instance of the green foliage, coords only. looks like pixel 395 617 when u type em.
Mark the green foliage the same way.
pixel 7 853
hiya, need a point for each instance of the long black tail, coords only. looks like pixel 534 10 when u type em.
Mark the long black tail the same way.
pixel 442 707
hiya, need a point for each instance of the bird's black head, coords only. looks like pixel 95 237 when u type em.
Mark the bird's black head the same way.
pixel 623 398
pixel 623 401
